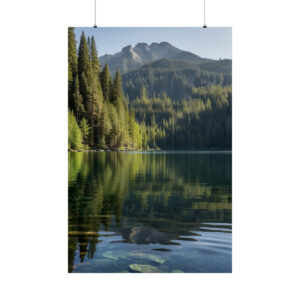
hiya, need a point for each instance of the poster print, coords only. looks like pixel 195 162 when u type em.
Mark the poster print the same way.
pixel 149 140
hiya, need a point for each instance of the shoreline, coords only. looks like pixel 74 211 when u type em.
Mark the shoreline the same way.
pixel 148 150
pixel 107 150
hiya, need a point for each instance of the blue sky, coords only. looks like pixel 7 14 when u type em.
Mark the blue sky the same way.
pixel 209 42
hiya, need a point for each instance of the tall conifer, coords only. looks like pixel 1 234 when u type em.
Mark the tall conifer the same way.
pixel 117 91
pixel 76 104
pixel 72 52
pixel 94 58
pixel 72 64
pixel 84 66
pixel 106 83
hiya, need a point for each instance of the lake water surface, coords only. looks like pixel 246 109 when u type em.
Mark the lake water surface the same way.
pixel 150 212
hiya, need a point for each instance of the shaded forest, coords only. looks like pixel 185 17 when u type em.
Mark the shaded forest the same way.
pixel 176 77
pixel 157 106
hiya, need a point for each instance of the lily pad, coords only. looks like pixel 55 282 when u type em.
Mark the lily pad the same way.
pixel 144 268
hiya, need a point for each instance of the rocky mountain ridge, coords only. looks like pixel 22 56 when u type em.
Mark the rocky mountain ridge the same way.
pixel 130 58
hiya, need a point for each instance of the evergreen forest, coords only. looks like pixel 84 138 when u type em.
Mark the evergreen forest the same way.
pixel 162 105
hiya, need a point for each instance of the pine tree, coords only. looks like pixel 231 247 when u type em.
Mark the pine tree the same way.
pixel 152 138
pixel 76 100
pixel 72 64
pixel 92 105
pixel 131 128
pixel 143 93
pixel 70 76
pixel 106 83
pixel 94 58
pixel 104 126
pixel 72 52
pixel 84 65
pixel 89 45
pixel 90 87
pixel 84 72
pixel 85 128
pixel 144 135
pixel 97 92
pixel 112 138
pixel 74 132
pixel 103 123
pixel 117 91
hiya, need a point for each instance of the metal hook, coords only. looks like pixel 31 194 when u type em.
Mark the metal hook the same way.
pixel 204 26
pixel 95 25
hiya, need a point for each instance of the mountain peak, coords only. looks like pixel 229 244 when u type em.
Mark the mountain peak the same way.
pixel 126 48
pixel 165 44
pixel 128 52
pixel 142 53
pixel 141 45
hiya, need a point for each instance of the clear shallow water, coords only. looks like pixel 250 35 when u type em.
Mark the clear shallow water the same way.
pixel 149 212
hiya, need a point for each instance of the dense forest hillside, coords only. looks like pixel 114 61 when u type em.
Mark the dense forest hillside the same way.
pixel 176 77
pixel 98 112
pixel 203 122
pixel 173 99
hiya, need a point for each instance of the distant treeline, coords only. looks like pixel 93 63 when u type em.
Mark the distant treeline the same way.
pixel 101 116
pixel 176 78
pixel 203 122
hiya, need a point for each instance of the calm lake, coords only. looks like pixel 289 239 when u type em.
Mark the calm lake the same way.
pixel 150 212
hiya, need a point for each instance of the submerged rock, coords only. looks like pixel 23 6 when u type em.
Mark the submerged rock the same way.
pixel 132 255
pixel 113 255
pixel 144 268
pixel 176 271
pixel 151 257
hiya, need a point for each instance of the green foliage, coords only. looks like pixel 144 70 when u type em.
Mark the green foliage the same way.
pixel 84 63
pixel 94 58
pixel 98 103
pixel 176 78
pixel 100 185
pixel 72 53
pixel 74 133
pixel 85 129
pixel 76 101
pixel 192 109
pixel 117 92
pixel 106 84
pixel 203 122
pixel 72 65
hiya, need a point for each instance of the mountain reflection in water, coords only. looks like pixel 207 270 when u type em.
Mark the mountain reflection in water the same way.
pixel 149 212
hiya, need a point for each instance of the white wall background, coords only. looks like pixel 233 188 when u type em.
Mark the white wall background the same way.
pixel 33 169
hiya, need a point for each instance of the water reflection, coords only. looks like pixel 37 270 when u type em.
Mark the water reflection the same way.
pixel 128 212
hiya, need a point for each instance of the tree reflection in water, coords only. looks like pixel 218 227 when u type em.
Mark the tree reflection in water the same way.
pixel 145 198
